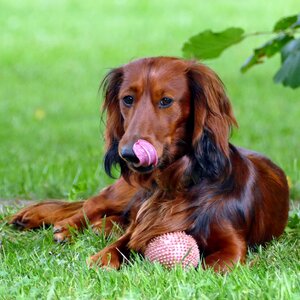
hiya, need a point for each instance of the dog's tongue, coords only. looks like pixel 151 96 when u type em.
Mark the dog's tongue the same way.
pixel 146 153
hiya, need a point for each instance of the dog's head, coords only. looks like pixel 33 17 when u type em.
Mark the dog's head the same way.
pixel 177 107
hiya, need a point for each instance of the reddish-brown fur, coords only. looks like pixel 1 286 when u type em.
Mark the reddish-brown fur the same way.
pixel 227 198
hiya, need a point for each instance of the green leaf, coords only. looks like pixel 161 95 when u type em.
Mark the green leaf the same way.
pixel 289 73
pixel 267 50
pixel 297 24
pixel 292 46
pixel 208 44
pixel 285 23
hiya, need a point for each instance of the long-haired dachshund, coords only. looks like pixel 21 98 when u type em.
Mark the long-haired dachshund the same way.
pixel 194 180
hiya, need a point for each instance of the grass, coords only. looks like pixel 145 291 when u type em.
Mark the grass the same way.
pixel 33 267
pixel 53 55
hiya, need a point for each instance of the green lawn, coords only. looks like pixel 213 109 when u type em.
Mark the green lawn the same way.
pixel 53 55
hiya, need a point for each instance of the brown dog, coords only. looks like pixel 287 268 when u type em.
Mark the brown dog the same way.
pixel 225 197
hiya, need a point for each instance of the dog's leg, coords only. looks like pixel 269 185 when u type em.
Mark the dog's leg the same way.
pixel 113 200
pixel 44 213
pixel 226 248
pixel 113 255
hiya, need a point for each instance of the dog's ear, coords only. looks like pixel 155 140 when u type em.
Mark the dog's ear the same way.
pixel 114 123
pixel 212 120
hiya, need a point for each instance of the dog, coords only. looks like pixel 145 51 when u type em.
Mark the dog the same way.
pixel 226 197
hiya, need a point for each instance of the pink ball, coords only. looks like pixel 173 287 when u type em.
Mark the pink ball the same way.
pixel 173 248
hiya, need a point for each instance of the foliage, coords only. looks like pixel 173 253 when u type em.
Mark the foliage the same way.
pixel 208 44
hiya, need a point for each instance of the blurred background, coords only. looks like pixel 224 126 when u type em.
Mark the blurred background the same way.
pixel 53 55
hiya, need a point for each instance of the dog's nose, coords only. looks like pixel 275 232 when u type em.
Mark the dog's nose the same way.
pixel 128 154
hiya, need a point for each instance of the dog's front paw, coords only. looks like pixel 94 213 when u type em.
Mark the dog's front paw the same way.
pixel 28 218
pixel 62 230
pixel 61 233
pixel 108 258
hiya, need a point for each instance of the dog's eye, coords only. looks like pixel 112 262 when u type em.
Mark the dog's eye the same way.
pixel 128 100
pixel 165 102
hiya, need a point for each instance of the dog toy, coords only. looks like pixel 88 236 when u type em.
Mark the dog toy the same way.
pixel 176 248
pixel 146 153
